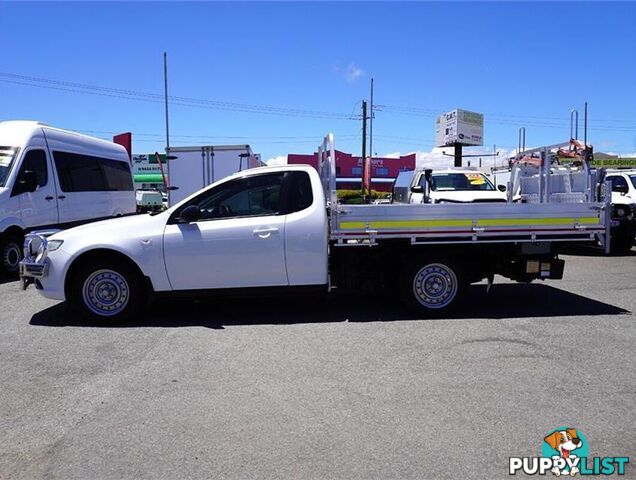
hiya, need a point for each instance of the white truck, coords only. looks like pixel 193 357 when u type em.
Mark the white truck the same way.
pixel 281 229
pixel 53 178
pixel 148 201
pixel 193 168
pixel 624 209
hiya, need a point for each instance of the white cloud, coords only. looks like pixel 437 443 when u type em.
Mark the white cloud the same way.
pixel 351 73
pixel 625 155
pixel 436 159
pixel 280 160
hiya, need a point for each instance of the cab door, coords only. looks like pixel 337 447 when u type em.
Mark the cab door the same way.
pixel 38 207
pixel 238 241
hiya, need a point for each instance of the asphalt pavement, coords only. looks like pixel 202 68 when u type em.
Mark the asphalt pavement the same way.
pixel 352 387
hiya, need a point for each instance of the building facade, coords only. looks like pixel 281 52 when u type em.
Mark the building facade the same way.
pixel 384 170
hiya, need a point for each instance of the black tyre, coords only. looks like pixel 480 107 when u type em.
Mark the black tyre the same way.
pixel 621 244
pixel 10 253
pixel 107 291
pixel 432 286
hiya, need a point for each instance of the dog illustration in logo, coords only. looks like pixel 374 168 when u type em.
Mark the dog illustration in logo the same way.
pixel 564 441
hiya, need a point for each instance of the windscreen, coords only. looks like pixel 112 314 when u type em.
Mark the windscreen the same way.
pixel 633 179
pixel 460 182
pixel 7 156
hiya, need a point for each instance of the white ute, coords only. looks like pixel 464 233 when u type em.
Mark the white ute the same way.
pixel 281 228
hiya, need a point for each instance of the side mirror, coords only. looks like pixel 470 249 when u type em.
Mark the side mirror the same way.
pixel 190 214
pixel 417 189
pixel 622 189
pixel 501 188
pixel 29 181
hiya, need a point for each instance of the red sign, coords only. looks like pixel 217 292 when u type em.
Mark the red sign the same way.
pixel 125 140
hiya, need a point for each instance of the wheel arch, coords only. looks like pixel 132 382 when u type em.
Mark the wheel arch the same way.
pixel 102 253
pixel 13 230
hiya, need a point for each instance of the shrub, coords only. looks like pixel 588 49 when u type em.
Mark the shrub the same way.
pixel 355 196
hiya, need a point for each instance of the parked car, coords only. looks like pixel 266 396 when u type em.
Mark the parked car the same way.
pixel 452 185
pixel 278 229
pixel 52 178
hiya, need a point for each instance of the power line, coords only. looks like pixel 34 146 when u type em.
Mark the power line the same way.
pixel 501 119
pixel 436 112
pixel 73 87
pixel 234 137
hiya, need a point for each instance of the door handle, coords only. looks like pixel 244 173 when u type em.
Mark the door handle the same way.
pixel 48 197
pixel 265 232
pixel 62 197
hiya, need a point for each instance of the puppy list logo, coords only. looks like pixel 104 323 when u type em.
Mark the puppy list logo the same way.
pixel 565 451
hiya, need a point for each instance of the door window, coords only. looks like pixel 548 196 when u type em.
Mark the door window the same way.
pixel 245 197
pixel 618 182
pixel 35 161
pixel 300 193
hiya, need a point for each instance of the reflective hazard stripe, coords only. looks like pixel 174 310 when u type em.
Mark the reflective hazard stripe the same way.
pixel 406 224
pixel 506 222
pixel 491 222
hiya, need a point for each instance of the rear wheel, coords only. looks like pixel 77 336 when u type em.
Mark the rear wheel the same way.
pixel 10 253
pixel 107 291
pixel 432 287
pixel 621 244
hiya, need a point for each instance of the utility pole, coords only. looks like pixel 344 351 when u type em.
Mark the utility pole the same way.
pixel 165 92
pixel 371 125
pixel 364 148
pixel 458 154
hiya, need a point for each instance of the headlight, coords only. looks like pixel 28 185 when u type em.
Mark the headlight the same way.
pixel 54 245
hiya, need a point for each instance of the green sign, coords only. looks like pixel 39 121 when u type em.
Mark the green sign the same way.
pixel 148 178
pixel 152 158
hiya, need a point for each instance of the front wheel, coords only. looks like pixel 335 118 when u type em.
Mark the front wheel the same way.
pixel 432 287
pixel 10 253
pixel 107 291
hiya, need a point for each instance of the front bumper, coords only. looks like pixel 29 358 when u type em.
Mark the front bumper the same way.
pixel 32 271
pixel 37 268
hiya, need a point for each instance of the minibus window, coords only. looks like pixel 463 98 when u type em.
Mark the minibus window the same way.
pixel 116 174
pixel 85 173
pixel 7 155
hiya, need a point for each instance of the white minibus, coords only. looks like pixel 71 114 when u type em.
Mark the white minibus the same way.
pixel 53 178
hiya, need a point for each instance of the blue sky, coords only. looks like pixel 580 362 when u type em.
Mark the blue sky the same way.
pixel 521 64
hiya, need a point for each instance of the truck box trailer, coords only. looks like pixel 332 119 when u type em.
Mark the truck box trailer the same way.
pixel 193 168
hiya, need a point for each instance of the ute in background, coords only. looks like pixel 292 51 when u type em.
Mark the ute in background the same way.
pixel 449 185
